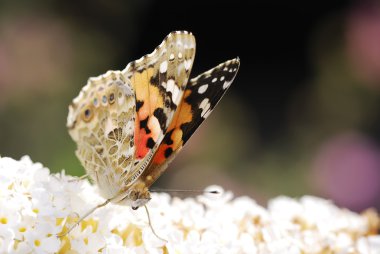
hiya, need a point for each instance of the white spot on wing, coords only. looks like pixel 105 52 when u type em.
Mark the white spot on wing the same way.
pixel 175 94
pixel 204 103
pixel 171 87
pixel 205 106
pixel 207 114
pixel 226 85
pixel 202 89
pixel 214 80
pixel 163 67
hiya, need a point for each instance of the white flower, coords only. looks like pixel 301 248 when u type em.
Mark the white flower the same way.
pixel 369 244
pixel 36 207
pixel 6 240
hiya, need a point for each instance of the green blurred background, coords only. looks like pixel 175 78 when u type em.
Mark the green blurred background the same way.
pixel 302 117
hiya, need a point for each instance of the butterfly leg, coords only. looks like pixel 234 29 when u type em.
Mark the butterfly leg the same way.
pixel 83 217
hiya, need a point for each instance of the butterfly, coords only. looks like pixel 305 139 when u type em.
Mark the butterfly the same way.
pixel 129 125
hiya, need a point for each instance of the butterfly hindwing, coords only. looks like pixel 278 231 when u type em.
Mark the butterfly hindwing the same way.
pixel 200 98
pixel 159 80
pixel 101 121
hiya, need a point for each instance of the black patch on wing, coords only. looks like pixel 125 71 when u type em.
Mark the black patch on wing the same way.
pixel 221 74
pixel 161 117
pixel 168 138
pixel 144 125
pixel 139 104
pixel 168 152
pixel 150 143
pixel 155 80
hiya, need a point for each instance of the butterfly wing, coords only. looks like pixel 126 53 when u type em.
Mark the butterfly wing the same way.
pixel 124 121
pixel 101 121
pixel 159 80
pixel 200 97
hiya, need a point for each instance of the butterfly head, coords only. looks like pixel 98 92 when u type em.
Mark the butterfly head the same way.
pixel 137 198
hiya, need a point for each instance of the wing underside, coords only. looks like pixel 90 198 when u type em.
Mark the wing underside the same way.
pixel 159 80
pixel 200 97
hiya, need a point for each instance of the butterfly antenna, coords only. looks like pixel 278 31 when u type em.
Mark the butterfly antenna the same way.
pixel 186 191
pixel 151 226
pixel 77 179
pixel 83 217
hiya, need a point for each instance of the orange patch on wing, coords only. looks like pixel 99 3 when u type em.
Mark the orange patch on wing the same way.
pixel 141 136
pixel 176 137
pixel 159 156
pixel 141 148
pixel 149 94
pixel 183 115
pixel 156 99
pixel 140 82
pixel 139 153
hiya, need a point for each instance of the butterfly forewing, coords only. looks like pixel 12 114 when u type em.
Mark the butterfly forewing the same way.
pixel 200 97
pixel 205 91
pixel 158 80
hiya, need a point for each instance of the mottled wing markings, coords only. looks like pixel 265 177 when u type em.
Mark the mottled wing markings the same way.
pixel 159 80
pixel 200 97
pixel 101 121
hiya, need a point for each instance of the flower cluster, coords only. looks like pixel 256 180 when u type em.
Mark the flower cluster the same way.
pixel 37 208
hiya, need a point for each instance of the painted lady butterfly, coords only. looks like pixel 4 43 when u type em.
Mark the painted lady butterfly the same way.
pixel 130 124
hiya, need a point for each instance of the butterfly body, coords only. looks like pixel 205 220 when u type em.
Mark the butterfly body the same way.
pixel 130 124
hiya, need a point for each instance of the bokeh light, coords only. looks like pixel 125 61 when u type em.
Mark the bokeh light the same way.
pixel 347 169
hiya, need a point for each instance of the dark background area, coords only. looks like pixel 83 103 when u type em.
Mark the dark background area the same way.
pixel 272 39
pixel 302 116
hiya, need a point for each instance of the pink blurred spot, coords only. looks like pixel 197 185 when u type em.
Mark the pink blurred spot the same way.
pixel 35 55
pixel 363 42
pixel 347 170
